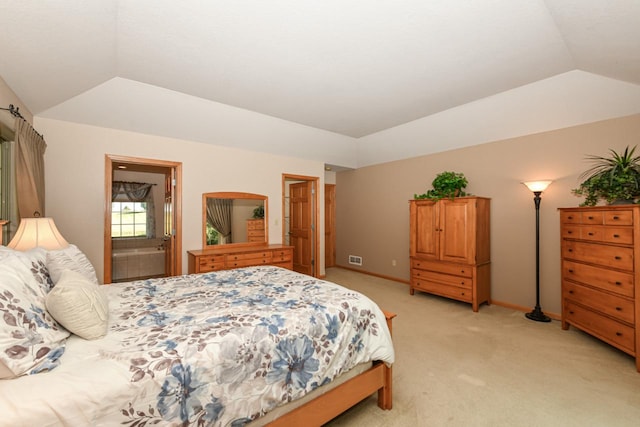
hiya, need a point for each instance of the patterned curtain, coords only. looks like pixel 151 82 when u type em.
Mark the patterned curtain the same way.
pixel 122 191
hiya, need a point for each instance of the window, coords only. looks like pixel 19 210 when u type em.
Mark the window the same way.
pixel 128 219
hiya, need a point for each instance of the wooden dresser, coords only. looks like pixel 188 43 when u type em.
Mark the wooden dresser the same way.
pixel 255 230
pixel 222 258
pixel 600 273
pixel 450 248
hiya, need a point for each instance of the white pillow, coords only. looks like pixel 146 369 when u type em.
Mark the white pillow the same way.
pixel 31 341
pixel 70 258
pixel 79 305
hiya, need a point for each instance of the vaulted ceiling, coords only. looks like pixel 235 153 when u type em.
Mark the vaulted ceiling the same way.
pixel 350 67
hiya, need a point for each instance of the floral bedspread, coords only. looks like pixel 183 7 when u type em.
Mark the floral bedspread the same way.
pixel 224 348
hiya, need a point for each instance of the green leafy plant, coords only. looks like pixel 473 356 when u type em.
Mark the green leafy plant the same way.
pixel 258 213
pixel 613 179
pixel 446 185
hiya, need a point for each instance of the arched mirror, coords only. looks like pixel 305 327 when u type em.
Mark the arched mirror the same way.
pixel 233 218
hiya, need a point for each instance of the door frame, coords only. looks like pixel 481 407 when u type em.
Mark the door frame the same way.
pixel 315 214
pixel 142 163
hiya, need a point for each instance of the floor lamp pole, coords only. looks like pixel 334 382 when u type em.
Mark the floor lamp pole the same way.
pixel 537 314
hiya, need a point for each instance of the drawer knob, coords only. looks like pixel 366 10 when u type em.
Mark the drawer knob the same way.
pixel 570 250
pixel 590 217
pixel 618 283
pixel 462 282
pixel 618 257
pixel 570 217
pixel 571 292
pixel 618 334
pixel 616 236
pixel 618 308
pixel 570 270
pixel 570 311
pixel 590 233
pixel 616 217
pixel 462 271
pixel 569 232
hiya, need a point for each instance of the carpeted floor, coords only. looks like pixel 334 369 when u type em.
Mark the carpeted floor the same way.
pixel 455 367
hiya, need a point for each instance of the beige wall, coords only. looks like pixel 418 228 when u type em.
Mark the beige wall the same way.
pixel 7 96
pixel 75 160
pixel 373 215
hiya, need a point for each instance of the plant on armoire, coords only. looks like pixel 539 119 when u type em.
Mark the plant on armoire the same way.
pixel 445 185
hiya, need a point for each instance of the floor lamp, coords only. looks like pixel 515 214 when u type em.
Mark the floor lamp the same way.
pixel 537 187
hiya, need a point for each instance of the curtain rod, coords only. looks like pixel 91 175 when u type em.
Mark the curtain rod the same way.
pixel 15 111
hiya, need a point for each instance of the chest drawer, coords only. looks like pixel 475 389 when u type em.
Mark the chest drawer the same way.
pixel 441 267
pixel 621 235
pixel 615 306
pixel 605 328
pixel 609 280
pixel 604 255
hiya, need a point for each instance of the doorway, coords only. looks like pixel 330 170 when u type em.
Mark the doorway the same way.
pixel 160 256
pixel 329 225
pixel 299 221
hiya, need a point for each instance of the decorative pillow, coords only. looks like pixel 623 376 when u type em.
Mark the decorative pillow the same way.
pixel 79 305
pixel 31 341
pixel 70 258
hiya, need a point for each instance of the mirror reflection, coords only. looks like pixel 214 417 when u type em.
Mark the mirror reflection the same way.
pixel 233 218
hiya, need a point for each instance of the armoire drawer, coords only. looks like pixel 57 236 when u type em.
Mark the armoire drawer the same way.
pixel 443 267
pixel 610 280
pixel 612 305
pixel 461 281
pixel 605 328
pixel 605 255
pixel 449 291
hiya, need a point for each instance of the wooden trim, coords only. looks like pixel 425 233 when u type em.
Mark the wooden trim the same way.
pixel 176 167
pixel 337 400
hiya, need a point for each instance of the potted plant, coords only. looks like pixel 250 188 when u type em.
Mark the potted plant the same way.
pixel 614 179
pixel 446 184
pixel 258 213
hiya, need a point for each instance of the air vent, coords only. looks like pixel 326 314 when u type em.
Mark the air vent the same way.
pixel 355 260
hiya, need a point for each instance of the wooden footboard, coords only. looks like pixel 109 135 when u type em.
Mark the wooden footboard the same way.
pixel 334 402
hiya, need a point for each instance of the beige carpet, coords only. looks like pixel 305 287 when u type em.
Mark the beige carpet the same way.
pixel 455 367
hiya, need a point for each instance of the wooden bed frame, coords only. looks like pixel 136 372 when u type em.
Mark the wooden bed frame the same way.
pixel 327 406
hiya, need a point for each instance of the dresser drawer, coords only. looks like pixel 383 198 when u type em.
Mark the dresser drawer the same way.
pixel 442 267
pixel 211 263
pixel 603 327
pixel 608 256
pixel 615 306
pixel 249 256
pixel 279 256
pixel 609 280
pixel 449 291
pixel 248 262
pixel 461 281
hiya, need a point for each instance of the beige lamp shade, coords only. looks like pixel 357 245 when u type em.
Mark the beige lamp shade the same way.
pixel 37 232
pixel 537 185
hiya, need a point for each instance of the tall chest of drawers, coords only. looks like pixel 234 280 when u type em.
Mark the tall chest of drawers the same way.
pixel 601 273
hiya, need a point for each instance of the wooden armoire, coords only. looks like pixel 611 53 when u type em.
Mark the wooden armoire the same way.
pixel 450 248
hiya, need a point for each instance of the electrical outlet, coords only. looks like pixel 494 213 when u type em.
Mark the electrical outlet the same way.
pixel 393 262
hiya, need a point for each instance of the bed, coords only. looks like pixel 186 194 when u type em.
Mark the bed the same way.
pixel 250 346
